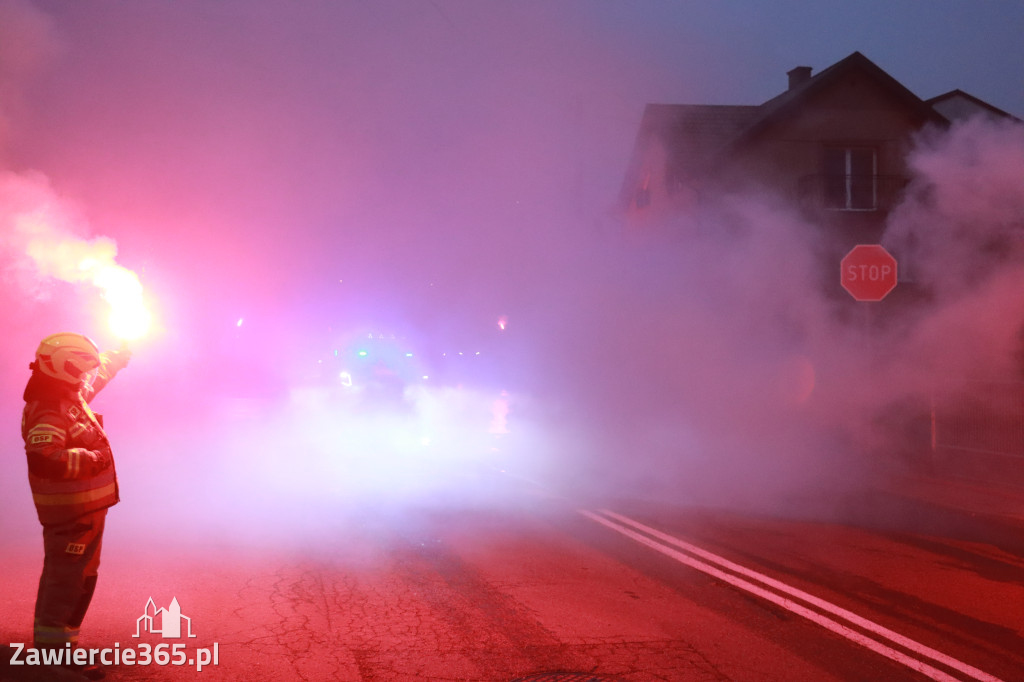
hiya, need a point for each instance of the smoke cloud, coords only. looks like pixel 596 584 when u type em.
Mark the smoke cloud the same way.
pixel 960 224
pixel 42 236
pixel 423 171
pixel 718 366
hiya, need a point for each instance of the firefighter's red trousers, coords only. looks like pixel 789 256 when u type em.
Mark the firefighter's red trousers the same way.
pixel 70 563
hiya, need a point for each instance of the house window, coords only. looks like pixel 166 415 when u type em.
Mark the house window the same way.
pixel 851 179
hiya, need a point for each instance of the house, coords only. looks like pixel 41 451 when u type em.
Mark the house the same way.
pixel 834 143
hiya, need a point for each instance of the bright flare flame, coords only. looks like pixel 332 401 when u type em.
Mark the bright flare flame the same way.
pixel 129 317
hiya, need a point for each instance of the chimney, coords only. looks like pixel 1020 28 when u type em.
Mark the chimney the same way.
pixel 798 76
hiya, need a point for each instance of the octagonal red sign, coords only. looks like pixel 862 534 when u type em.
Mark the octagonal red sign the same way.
pixel 868 272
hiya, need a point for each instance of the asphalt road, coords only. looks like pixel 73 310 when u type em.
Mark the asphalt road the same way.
pixel 538 587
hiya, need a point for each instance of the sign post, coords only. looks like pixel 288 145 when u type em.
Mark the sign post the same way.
pixel 868 272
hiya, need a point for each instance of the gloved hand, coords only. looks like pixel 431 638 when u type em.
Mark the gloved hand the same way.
pixel 99 460
pixel 116 360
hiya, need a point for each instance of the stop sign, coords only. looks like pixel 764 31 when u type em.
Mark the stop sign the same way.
pixel 868 272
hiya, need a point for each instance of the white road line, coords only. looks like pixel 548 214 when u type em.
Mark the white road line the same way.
pixel 621 525
pixel 871 626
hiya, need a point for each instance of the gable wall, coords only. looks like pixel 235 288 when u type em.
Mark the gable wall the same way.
pixel 786 157
pixel 854 110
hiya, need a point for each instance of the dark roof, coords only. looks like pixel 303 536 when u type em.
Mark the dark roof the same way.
pixel 702 133
pixel 701 129
pixel 705 130
pixel 960 94
pixel 792 99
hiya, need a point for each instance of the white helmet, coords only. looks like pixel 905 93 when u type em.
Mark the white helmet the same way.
pixel 67 356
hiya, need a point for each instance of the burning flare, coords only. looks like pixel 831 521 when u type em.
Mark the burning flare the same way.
pixel 129 317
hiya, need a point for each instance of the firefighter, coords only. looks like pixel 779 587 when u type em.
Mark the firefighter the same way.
pixel 71 473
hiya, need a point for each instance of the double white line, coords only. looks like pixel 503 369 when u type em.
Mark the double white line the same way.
pixel 827 615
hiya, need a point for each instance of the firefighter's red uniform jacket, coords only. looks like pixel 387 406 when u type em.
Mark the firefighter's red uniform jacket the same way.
pixel 60 432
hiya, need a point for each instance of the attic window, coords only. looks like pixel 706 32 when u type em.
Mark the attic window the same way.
pixel 851 178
